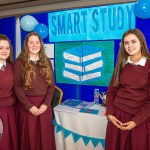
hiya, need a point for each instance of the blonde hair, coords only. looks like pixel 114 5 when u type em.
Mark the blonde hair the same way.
pixel 123 55
pixel 27 68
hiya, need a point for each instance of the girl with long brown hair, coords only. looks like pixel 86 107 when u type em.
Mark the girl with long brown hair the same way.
pixel 34 87
pixel 128 96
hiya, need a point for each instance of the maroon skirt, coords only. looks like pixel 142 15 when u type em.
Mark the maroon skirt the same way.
pixel 35 132
pixel 8 130
pixel 135 139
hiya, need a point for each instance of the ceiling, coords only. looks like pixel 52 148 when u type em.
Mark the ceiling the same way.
pixel 7 4
pixel 9 1
pixel 3 2
pixel 14 7
pixel 19 7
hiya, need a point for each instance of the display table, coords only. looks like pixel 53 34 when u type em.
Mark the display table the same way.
pixel 79 131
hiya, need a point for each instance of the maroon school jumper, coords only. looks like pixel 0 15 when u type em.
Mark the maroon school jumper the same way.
pixel 8 131
pixel 130 101
pixel 35 132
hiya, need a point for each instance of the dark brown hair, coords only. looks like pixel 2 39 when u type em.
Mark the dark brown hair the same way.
pixel 10 58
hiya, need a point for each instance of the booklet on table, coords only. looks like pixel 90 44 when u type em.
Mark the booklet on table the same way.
pixel 79 104
pixel 90 111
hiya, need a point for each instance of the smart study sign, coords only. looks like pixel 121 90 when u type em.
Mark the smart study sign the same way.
pixel 95 23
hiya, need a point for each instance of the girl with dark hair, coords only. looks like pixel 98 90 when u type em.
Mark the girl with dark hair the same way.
pixel 128 96
pixel 8 130
pixel 34 87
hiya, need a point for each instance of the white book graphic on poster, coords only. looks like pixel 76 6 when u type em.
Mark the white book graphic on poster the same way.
pixel 83 63
pixel 71 75
pixel 84 69
pixel 81 78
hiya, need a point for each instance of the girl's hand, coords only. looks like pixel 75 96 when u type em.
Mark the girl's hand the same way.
pixel 34 110
pixel 115 121
pixel 128 125
pixel 42 109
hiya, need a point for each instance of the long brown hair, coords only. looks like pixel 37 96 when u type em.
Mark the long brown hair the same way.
pixel 123 55
pixel 10 58
pixel 27 68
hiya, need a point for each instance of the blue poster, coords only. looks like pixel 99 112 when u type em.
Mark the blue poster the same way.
pixel 95 23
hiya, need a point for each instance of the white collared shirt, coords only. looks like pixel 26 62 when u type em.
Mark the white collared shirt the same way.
pixel 141 62
pixel 1 64
pixel 37 58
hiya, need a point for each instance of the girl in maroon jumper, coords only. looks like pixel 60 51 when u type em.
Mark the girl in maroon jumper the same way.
pixel 8 130
pixel 34 87
pixel 128 96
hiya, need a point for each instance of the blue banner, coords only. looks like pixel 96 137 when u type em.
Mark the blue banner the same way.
pixel 76 137
pixel 95 23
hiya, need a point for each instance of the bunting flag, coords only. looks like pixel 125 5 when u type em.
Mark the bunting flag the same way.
pixel 58 128
pixel 76 137
pixel 86 140
pixel 66 133
pixel 94 141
